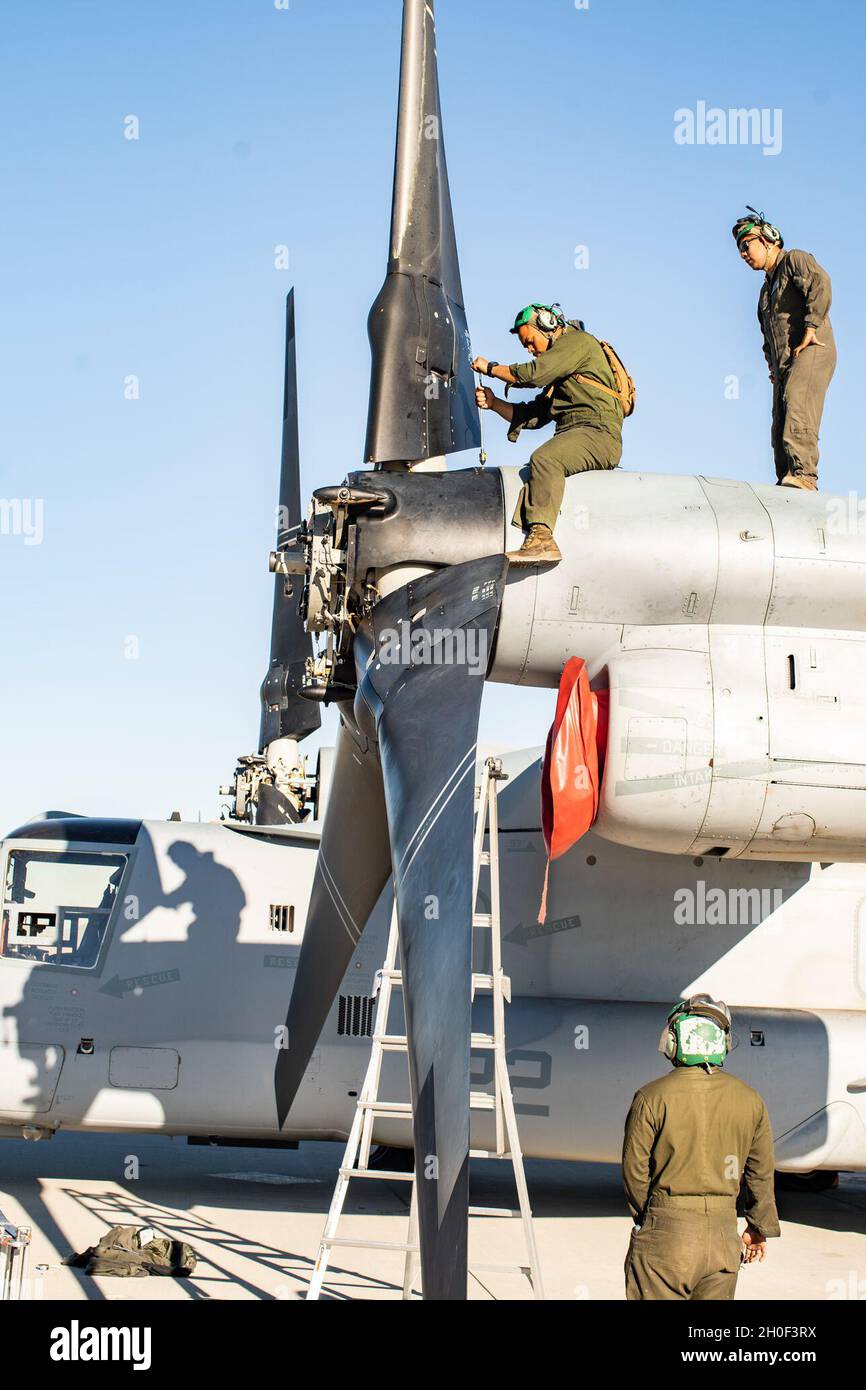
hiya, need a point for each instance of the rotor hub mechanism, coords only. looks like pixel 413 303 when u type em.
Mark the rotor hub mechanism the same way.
pixel 365 532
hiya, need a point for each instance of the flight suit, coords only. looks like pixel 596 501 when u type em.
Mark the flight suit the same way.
pixel 690 1138
pixel 797 296
pixel 588 421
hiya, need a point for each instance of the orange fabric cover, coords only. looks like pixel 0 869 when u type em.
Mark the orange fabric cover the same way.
pixel 575 748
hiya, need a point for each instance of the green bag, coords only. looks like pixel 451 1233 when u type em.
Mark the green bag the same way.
pixel 121 1254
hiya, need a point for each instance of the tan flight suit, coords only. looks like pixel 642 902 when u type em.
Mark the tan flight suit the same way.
pixel 588 421
pixel 690 1137
pixel 794 297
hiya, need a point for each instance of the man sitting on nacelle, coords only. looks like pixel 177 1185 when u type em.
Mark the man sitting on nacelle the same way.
pixel 585 392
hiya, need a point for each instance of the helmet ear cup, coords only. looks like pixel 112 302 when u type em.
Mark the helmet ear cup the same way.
pixel 767 230
pixel 548 317
pixel 668 1042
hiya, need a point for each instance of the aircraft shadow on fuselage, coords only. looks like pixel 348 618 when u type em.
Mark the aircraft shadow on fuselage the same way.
pixel 144 993
pixel 198 987
pixel 630 926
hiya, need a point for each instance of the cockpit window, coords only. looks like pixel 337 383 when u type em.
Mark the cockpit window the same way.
pixel 56 906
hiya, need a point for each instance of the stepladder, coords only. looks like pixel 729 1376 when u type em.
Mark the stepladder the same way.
pixel 497 1101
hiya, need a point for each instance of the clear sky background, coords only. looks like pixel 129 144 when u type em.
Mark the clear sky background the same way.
pixel 155 258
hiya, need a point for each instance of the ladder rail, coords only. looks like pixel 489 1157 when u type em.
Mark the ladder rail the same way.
pixel 380 1028
pixel 357 1151
pixel 483 795
pixel 496 965
pixel 520 1181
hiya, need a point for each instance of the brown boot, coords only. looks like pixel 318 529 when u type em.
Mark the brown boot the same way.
pixel 799 480
pixel 539 548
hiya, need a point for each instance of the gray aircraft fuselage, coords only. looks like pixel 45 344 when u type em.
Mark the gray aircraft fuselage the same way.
pixel 172 1027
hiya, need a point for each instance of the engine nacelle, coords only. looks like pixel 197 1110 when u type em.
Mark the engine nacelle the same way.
pixel 689 768
pixel 730 623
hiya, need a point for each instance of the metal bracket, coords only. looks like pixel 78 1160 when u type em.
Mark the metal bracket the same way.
pixel 14 1248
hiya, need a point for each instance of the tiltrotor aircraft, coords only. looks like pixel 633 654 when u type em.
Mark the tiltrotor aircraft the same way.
pixel 215 980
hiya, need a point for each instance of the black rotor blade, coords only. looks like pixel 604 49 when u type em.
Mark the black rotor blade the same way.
pixel 422 400
pixel 285 714
pixel 352 868
pixel 426 717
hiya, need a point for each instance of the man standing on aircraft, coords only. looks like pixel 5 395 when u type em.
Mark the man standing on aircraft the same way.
pixel 793 310
pixel 580 395
pixel 691 1137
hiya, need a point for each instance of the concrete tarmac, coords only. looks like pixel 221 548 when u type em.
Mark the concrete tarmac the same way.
pixel 255 1216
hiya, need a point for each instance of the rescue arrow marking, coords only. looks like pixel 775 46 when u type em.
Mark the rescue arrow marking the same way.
pixel 523 935
pixel 119 987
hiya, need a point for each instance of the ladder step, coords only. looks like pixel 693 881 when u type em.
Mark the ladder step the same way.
pixel 480 1100
pixel 494 1211
pixel 385 1173
pixel 484 857
pixel 387 1107
pixel 395 976
pixel 482 919
pixel 360 1244
pixel 489 1153
pixel 398 1042
pixel 486 982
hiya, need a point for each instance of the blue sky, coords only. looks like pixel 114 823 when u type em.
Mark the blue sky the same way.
pixel 154 258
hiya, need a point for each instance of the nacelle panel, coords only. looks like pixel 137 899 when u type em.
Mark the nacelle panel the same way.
pixel 657 771
pixel 696 762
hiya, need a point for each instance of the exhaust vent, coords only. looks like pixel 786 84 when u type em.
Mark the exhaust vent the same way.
pixel 355 1019
pixel 282 918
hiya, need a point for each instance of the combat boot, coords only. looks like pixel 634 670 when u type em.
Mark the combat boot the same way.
pixel 803 480
pixel 539 548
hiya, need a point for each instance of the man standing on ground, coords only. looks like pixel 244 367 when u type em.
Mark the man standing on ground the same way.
pixel 691 1137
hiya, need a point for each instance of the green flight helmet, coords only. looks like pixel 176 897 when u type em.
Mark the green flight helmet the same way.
pixel 697 1032
pixel 545 317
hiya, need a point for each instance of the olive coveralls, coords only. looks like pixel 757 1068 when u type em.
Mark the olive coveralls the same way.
pixel 794 297
pixel 690 1138
pixel 588 421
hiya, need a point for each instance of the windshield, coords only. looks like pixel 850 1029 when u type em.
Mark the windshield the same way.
pixel 56 905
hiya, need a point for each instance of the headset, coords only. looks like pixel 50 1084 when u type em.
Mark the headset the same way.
pixel 547 318
pixel 697 1032
pixel 757 223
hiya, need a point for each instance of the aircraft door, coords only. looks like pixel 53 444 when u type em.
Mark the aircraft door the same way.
pixel 55 911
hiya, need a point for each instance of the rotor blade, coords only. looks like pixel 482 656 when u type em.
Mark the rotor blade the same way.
pixel 284 713
pixel 353 866
pixel 427 722
pixel 422 400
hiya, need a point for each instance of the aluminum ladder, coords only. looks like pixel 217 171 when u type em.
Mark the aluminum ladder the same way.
pixel 500 1102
